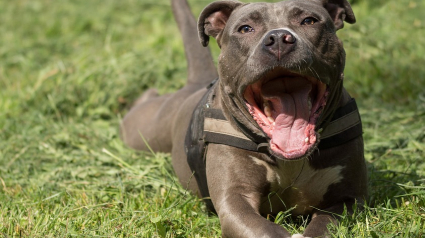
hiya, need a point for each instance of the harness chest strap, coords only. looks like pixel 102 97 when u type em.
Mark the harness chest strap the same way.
pixel 344 126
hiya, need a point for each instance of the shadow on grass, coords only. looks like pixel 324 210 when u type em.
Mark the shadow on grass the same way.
pixel 388 185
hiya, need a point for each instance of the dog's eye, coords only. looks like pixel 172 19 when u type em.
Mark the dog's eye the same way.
pixel 245 29
pixel 309 21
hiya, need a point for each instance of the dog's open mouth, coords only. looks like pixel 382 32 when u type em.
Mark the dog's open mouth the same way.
pixel 286 106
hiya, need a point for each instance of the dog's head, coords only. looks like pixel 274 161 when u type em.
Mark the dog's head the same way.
pixel 281 66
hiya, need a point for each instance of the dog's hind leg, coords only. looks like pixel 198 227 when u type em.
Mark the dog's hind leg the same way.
pixel 200 65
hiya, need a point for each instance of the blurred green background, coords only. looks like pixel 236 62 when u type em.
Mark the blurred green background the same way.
pixel 69 71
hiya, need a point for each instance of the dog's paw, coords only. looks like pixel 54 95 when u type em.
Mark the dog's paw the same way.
pixel 297 236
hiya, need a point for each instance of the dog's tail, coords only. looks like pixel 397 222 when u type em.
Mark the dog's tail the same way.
pixel 201 69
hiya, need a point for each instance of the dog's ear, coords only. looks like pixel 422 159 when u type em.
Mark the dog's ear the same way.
pixel 213 19
pixel 340 11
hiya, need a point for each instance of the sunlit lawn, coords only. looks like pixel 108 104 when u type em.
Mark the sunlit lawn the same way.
pixel 69 71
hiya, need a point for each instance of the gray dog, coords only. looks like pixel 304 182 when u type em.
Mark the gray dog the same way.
pixel 274 129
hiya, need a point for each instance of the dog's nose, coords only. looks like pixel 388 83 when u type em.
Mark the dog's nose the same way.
pixel 274 36
pixel 278 42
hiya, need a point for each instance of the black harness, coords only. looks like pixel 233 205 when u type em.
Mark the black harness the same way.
pixel 209 125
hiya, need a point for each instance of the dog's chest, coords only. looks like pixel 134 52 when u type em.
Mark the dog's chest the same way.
pixel 297 185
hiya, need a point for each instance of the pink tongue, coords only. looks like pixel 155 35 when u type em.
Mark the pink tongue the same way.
pixel 289 98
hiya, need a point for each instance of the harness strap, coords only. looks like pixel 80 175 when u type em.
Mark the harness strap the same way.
pixel 344 126
pixel 218 130
pixel 196 146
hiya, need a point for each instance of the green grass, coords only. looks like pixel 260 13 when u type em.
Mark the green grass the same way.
pixel 69 71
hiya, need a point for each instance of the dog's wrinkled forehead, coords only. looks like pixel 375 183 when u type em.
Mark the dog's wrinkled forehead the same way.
pixel 224 15
pixel 276 15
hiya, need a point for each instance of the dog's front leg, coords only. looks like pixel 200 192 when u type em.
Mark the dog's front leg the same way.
pixel 318 226
pixel 236 184
pixel 321 219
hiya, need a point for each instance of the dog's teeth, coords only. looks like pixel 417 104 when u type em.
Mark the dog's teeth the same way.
pixel 271 119
pixel 307 140
pixel 267 109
